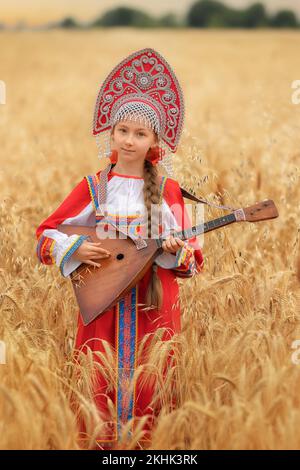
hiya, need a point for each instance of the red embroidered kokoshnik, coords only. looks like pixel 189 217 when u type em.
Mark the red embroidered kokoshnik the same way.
pixel 125 325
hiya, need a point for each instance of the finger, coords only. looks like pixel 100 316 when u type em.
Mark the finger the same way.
pixel 93 244
pixel 98 256
pixel 97 253
pixel 92 263
pixel 173 242
pixel 169 250
pixel 174 245
pixel 178 246
pixel 99 250
pixel 169 245
pixel 165 247
pixel 179 241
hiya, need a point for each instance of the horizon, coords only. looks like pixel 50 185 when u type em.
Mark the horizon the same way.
pixel 32 13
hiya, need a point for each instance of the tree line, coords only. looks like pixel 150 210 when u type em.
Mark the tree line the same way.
pixel 202 14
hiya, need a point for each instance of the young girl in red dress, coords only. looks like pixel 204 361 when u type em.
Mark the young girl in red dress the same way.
pixel 139 112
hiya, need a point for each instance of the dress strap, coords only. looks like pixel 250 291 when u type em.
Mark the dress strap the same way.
pixel 102 192
pixel 98 191
pixel 162 188
pixel 93 182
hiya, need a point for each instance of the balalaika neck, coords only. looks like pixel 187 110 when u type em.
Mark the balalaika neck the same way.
pixel 202 228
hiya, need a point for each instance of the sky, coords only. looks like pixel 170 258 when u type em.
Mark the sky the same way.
pixel 35 12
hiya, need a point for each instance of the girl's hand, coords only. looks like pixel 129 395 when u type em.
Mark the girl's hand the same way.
pixel 171 244
pixel 89 251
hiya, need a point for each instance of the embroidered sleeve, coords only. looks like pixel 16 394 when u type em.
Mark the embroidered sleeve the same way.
pixel 55 247
pixel 185 263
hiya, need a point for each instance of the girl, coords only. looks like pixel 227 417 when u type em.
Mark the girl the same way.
pixel 139 110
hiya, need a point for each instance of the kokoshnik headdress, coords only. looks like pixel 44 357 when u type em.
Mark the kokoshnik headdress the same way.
pixel 143 88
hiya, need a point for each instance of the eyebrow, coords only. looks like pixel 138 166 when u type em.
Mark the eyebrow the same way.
pixel 140 128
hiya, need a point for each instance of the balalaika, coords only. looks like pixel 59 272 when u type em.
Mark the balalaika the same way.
pixel 99 289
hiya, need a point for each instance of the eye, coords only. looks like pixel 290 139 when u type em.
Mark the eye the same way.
pixel 141 133
pixel 122 130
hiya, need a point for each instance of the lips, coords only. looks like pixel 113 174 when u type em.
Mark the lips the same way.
pixel 125 150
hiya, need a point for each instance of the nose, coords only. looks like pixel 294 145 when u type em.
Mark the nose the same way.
pixel 128 139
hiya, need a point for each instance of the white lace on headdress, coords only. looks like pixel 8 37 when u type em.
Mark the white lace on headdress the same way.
pixel 138 112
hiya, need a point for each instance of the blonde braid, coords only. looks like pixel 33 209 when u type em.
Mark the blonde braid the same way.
pixel 154 294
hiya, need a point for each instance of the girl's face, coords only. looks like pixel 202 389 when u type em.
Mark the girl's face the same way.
pixel 132 140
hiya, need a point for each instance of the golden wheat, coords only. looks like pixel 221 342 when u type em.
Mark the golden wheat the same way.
pixel 234 381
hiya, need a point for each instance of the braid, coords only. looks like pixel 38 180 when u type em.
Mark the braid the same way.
pixel 151 192
pixel 154 293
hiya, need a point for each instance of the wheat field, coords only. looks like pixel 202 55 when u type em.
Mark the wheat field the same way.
pixel 238 385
